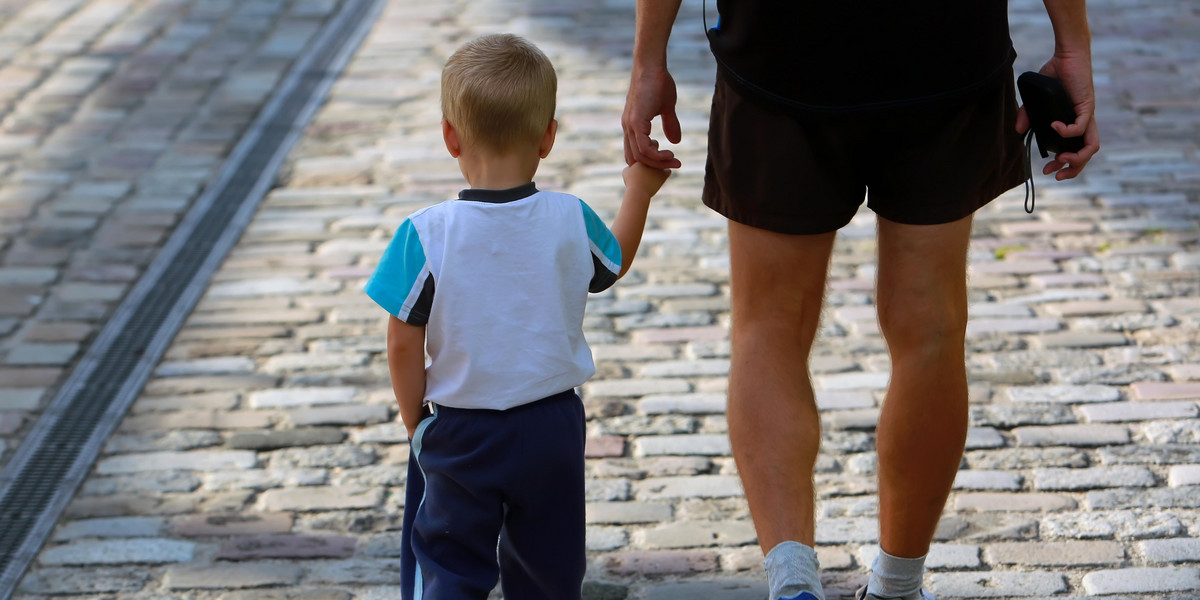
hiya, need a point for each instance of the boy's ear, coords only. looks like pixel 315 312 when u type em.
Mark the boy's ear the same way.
pixel 450 136
pixel 548 139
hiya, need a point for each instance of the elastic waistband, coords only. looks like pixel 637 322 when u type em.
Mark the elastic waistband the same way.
pixel 559 397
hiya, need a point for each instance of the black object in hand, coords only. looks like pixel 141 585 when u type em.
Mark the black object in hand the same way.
pixel 1046 101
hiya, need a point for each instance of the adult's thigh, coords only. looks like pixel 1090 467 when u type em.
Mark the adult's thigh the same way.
pixel 778 283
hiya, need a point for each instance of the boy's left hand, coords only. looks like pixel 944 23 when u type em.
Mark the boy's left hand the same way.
pixel 644 179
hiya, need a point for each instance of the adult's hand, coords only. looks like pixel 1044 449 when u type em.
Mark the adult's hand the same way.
pixel 651 94
pixel 1075 73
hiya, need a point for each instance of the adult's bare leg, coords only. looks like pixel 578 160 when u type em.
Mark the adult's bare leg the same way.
pixel 922 303
pixel 778 283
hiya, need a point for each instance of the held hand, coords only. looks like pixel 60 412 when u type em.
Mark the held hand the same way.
pixel 1075 73
pixel 651 94
pixel 643 179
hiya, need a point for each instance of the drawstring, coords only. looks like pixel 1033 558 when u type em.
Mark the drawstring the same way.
pixel 1030 189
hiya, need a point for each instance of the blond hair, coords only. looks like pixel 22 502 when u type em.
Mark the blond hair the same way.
pixel 498 91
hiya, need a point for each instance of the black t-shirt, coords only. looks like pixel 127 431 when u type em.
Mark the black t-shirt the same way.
pixel 832 56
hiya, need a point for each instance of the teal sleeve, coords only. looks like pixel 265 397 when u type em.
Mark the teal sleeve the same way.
pixel 402 283
pixel 606 251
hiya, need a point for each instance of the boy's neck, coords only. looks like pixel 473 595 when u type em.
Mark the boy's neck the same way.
pixel 488 171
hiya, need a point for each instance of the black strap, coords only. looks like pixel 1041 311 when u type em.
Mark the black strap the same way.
pixel 1030 189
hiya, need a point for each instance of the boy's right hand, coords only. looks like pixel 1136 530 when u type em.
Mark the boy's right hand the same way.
pixel 644 179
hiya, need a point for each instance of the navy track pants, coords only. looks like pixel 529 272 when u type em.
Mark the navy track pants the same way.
pixel 478 478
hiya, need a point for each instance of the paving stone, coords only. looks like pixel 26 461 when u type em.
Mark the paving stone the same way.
pixel 687 368
pixel 1088 308
pixel 1092 478
pixel 115 552
pixel 22 399
pixel 660 562
pixel 1144 454
pixel 1011 326
pixel 997 584
pixel 1052 554
pixel 1072 435
pixel 1184 475
pixel 1149 390
pixel 1140 411
pixel 1142 580
pixel 699 486
pixel 606 490
pixel 983 437
pixel 120 527
pixel 635 388
pixel 1109 524
pixel 1143 498
pixel 272 440
pixel 222 576
pixel 623 513
pixel 317 498
pixel 158 440
pixel 683 404
pixel 714 590
pixel 1171 551
pixel 286 547
pixel 697 444
pixel 603 539
pixel 94 580
pixel 845 530
pixel 364 414
pixel 1082 340
pixel 1027 502
pixel 987 480
pixel 36 354
pixel 1066 394
pixel 1172 432
pixel 233 524
pixel 354 572
pixel 853 381
pixel 199 460
pixel 685 534
pixel 342 456
pixel 206 366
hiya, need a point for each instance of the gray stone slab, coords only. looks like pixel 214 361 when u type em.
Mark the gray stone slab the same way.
pixel 116 552
pixel 231 576
pixel 1092 478
pixel 119 527
pixel 997 584
pixel 1072 435
pixel 1142 580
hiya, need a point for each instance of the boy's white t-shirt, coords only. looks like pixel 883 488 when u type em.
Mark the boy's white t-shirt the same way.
pixel 499 278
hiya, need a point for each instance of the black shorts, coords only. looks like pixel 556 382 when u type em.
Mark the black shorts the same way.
pixel 806 174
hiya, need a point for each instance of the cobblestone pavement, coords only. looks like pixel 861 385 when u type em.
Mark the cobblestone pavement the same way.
pixel 265 458
pixel 113 115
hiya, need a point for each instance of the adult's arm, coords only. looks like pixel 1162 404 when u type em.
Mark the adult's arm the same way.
pixel 1071 64
pixel 651 88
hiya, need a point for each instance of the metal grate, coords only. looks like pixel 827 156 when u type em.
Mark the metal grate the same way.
pixel 48 467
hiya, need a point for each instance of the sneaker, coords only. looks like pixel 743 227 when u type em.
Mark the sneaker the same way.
pixel 862 594
pixel 802 596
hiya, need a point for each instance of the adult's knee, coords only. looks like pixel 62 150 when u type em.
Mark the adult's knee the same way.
pixel 923 328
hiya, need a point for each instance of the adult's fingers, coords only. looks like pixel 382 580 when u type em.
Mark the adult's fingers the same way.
pixel 1022 121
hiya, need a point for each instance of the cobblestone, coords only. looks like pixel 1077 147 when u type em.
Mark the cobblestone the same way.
pixel 271 414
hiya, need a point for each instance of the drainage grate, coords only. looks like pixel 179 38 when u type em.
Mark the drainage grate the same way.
pixel 56 456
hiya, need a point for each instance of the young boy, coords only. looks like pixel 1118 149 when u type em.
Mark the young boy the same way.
pixel 493 286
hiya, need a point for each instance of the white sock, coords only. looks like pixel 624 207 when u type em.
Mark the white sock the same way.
pixel 791 569
pixel 895 577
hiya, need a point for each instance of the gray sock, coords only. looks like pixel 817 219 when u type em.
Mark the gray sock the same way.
pixel 791 569
pixel 895 577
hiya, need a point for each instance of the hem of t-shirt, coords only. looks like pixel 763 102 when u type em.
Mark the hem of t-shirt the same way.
pixel 499 196
pixel 395 306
